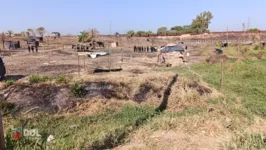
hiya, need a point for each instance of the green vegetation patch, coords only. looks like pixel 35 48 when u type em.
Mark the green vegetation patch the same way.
pixel 100 131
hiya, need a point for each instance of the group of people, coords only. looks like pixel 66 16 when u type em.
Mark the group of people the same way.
pixel 144 49
pixel 33 46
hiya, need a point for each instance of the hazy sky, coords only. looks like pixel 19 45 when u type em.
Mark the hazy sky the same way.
pixel 72 16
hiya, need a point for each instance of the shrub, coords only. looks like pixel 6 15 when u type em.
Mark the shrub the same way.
pixel 38 78
pixel 77 90
pixel 61 79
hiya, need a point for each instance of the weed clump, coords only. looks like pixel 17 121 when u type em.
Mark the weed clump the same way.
pixel 9 83
pixel 77 90
pixel 38 78
pixel 61 79
pixel 246 141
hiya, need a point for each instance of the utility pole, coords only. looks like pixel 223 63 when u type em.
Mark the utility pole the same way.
pixel 110 27
pixel 227 35
pixel 248 27
pixel 244 27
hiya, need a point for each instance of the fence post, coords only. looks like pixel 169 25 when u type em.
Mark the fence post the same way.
pixel 2 138
pixel 222 74
pixel 84 61
pixel 49 59
pixel 78 65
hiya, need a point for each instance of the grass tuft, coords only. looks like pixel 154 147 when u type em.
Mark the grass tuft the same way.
pixel 38 78
pixel 61 79
pixel 9 83
pixel 246 141
pixel 77 90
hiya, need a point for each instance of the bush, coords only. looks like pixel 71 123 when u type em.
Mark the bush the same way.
pixel 77 90
pixel 38 78
pixel 61 79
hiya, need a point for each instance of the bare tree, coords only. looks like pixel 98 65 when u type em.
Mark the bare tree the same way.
pixel 31 32
pixel 10 32
pixel 3 38
pixel 93 34
pixel 40 31
pixel 23 34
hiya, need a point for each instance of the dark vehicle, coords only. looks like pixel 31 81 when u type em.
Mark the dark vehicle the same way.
pixel 169 49
pixel 219 51
pixel 2 69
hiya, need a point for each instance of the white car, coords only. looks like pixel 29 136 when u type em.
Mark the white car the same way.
pixel 96 54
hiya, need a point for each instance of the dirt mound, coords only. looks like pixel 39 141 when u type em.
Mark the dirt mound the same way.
pixel 52 98
pixel 170 92
pixel 213 59
pixel 48 98
pixel 107 90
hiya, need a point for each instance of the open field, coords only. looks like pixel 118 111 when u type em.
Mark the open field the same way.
pixel 140 104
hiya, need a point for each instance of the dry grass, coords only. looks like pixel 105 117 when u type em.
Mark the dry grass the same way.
pixel 189 132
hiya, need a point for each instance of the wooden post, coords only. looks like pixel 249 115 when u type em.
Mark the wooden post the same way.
pixel 109 63
pixel 84 61
pixel 78 65
pixel 109 59
pixel 222 74
pixel 49 59
pixel 2 137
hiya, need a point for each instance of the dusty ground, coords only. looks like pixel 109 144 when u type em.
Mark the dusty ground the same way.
pixel 54 62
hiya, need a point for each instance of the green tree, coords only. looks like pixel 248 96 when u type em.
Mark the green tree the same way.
pixel 10 33
pixel 162 30
pixel 40 31
pixel 84 37
pixel 201 23
pixel 178 29
pixel 141 32
pixel 253 29
pixel 130 32
pixel 149 32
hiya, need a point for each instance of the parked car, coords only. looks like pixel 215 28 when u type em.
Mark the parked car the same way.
pixel 2 69
pixel 169 49
pixel 96 54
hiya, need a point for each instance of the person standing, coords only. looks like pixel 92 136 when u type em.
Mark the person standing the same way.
pixel 36 45
pixel 29 47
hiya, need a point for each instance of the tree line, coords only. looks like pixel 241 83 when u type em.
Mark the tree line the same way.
pixel 30 32
pixel 199 25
